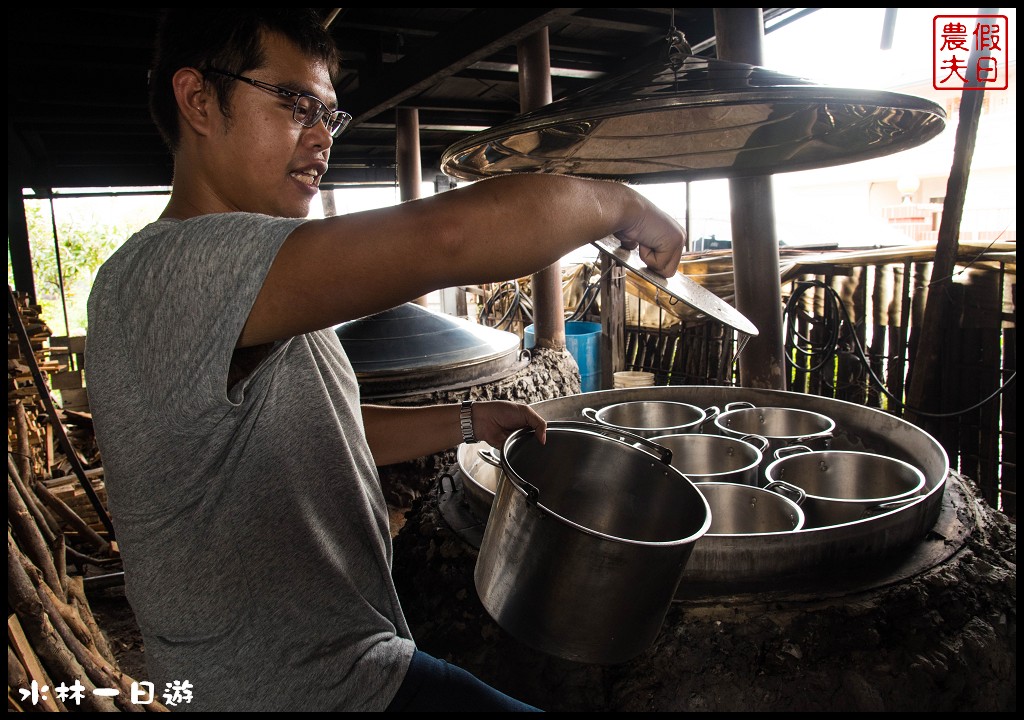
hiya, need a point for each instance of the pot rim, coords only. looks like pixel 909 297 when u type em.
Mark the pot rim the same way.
pixel 759 456
pixel 703 418
pixel 799 510
pixel 510 476
pixel 830 423
pixel 922 481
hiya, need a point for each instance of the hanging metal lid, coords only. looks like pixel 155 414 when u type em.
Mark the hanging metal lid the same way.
pixel 679 287
pixel 411 349
pixel 685 117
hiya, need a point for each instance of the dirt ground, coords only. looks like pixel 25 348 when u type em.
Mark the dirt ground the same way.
pixel 942 640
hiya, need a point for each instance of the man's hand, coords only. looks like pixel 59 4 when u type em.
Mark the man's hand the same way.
pixel 495 420
pixel 660 240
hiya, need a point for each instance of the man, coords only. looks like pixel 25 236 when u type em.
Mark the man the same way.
pixel 240 467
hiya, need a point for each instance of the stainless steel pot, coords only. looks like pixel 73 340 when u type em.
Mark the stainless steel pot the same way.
pixel 745 561
pixel 716 458
pixel 481 476
pixel 651 418
pixel 586 541
pixel 782 426
pixel 741 509
pixel 841 486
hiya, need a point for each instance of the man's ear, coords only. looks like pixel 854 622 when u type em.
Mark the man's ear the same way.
pixel 196 100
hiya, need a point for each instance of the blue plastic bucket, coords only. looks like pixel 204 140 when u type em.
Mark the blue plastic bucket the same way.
pixel 583 341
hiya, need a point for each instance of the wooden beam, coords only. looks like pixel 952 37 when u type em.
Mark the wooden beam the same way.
pixel 479 35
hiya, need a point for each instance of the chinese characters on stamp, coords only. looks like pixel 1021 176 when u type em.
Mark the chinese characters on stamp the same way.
pixel 970 52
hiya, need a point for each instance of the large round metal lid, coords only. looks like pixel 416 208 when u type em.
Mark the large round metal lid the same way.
pixel 411 349
pixel 698 118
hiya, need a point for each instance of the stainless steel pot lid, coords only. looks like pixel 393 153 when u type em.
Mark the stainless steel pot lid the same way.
pixel 679 287
pixel 684 117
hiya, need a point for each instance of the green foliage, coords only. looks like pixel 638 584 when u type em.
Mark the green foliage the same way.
pixel 87 236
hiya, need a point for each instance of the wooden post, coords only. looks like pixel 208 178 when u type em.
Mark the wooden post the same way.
pixel 739 32
pixel 937 312
pixel 407 158
pixel 613 320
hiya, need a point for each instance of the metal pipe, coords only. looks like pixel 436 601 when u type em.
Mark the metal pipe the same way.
pixel 331 15
pixel 99 582
pixel 535 91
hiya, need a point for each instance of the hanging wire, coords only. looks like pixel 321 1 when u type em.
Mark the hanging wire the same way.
pixel 519 305
pixel 590 295
pixel 834 315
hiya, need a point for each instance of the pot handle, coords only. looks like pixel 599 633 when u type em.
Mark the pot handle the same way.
pixel 710 413
pixel 783 488
pixel 757 440
pixel 448 487
pixel 590 414
pixel 888 506
pixel 490 456
pixel 827 438
pixel 791 450
pixel 660 451
pixel 738 405
pixel 532 493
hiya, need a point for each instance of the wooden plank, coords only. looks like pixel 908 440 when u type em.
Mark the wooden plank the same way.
pixel 23 649
pixel 613 321
pixel 66 380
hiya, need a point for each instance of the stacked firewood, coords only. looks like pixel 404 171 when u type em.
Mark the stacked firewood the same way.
pixel 58 658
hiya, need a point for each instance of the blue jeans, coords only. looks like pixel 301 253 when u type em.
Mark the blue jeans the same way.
pixel 432 685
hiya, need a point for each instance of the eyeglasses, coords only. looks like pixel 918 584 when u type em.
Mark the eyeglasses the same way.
pixel 306 111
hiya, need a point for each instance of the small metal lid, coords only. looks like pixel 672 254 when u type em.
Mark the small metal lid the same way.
pixel 679 287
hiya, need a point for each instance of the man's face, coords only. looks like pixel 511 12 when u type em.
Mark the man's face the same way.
pixel 261 159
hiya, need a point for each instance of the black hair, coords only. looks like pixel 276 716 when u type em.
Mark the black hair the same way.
pixel 230 39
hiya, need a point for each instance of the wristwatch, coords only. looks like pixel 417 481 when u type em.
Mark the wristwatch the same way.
pixel 466 421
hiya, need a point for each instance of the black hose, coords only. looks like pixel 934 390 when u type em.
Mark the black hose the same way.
pixel 833 317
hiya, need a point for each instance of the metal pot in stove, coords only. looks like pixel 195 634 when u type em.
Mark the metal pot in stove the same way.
pixel 586 541
pixel 842 486
pixel 716 458
pixel 744 510
pixel 650 418
pixel 480 469
pixel 781 426
pixel 742 562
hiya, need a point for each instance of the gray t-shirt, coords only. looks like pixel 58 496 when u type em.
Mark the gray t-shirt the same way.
pixel 250 518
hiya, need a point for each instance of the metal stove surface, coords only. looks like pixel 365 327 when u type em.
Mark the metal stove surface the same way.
pixel 727 563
